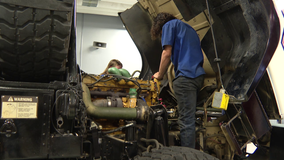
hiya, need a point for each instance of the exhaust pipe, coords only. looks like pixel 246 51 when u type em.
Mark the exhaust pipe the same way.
pixel 139 113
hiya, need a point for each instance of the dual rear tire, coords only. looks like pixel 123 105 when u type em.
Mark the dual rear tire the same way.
pixel 175 153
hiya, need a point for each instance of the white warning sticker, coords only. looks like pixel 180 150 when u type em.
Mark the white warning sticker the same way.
pixel 24 107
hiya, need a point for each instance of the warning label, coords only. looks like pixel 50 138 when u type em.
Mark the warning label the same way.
pixel 19 107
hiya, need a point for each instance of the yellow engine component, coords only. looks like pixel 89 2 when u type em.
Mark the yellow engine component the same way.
pixel 149 88
pixel 129 102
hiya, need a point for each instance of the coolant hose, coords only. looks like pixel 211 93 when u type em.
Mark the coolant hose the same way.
pixel 112 112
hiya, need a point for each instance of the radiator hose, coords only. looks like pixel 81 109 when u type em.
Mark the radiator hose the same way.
pixel 139 113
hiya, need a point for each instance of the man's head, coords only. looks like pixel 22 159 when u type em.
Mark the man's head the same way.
pixel 159 22
pixel 115 63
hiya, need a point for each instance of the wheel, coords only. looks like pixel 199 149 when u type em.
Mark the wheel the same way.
pixel 34 39
pixel 175 153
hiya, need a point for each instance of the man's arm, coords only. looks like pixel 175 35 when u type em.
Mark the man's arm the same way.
pixel 165 61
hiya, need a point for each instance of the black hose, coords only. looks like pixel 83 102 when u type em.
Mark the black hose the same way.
pixel 119 128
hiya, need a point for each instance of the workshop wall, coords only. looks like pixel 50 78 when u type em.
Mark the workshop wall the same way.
pixel 275 68
pixel 111 31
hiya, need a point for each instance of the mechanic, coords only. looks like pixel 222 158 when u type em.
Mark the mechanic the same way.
pixel 181 46
pixel 112 63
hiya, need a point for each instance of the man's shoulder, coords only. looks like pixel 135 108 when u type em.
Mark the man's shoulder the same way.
pixel 177 22
pixel 173 21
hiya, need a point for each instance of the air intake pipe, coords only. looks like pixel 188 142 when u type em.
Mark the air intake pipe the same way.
pixel 139 113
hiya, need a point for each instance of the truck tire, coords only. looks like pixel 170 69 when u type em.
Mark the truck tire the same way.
pixel 175 153
pixel 34 39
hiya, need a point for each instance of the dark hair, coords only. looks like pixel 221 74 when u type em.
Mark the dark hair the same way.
pixel 112 63
pixel 159 22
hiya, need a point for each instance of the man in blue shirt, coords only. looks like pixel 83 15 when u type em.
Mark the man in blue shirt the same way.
pixel 181 46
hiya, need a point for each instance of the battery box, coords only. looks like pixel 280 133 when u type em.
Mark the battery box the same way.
pixel 220 100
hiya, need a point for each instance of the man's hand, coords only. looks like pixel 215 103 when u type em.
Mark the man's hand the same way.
pixel 157 76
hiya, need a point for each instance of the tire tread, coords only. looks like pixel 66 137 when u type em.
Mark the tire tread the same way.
pixel 175 153
pixel 34 43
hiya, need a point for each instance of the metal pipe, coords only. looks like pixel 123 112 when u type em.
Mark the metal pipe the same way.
pixel 107 103
pixel 205 108
pixel 108 93
pixel 237 115
pixel 119 140
pixel 110 112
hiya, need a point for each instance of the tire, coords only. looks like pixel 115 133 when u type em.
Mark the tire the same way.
pixel 34 42
pixel 175 153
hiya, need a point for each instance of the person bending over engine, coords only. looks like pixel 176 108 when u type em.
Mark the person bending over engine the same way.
pixel 181 46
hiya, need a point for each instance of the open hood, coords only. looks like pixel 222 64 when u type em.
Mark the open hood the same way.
pixel 246 33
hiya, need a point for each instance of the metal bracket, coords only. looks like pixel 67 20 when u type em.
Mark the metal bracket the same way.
pixel 229 135
pixel 8 128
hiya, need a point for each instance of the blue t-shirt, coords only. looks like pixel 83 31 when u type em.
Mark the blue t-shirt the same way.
pixel 186 56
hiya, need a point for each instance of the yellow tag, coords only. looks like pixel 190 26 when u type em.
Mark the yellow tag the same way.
pixel 225 101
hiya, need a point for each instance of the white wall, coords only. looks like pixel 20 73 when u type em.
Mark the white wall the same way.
pixel 109 30
pixel 276 65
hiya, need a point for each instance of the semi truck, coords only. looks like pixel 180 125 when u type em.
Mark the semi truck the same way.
pixel 51 109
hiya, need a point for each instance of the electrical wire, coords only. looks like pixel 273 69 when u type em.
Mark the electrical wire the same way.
pixel 97 80
pixel 135 72
pixel 157 144
pixel 113 76
pixel 86 74
pixel 53 106
pixel 149 148
pixel 129 79
pixel 217 59
pixel 119 128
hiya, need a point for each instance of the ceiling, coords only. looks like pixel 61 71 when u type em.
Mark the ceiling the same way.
pixel 104 7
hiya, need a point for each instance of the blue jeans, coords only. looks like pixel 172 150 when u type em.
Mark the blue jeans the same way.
pixel 186 90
